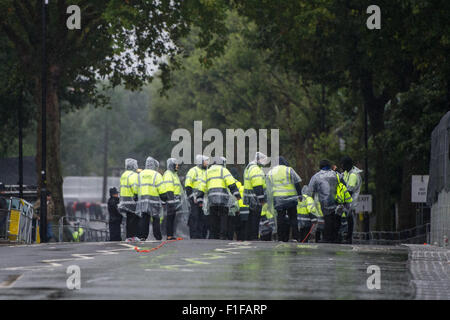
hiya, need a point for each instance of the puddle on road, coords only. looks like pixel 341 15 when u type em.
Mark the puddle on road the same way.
pixel 329 272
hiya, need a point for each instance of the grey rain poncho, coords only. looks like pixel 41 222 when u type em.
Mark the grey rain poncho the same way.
pixel 324 183
pixel 149 178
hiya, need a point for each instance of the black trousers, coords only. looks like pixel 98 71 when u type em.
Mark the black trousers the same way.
pixel 144 227
pixel 337 223
pixel 267 237
pixel 114 229
pixel 198 227
pixel 170 223
pixel 132 228
pixel 218 222
pixel 253 223
pixel 319 235
pixel 303 233
pixel 330 229
pixel 233 226
pixel 285 224
pixel 241 230
pixel 350 223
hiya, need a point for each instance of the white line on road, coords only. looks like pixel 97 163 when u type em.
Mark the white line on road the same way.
pixel 196 261
pixel 52 263
pixel 10 282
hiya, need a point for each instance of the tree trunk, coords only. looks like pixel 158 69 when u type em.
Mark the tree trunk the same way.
pixel 382 196
pixel 375 109
pixel 54 174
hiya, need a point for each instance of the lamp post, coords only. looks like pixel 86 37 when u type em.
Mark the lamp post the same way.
pixel 43 209
pixel 19 115
pixel 366 220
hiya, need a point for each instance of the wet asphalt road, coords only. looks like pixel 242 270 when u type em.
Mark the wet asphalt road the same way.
pixel 204 269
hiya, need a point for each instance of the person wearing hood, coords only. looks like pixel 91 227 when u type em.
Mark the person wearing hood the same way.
pixel 151 196
pixel 218 180
pixel 325 183
pixel 115 218
pixel 307 214
pixel 285 191
pixel 195 178
pixel 352 180
pixel 172 186
pixel 129 197
pixel 237 224
pixel 255 193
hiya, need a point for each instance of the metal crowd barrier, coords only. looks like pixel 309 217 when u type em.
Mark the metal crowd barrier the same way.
pixel 16 222
pixel 418 235
pixel 82 229
pixel 98 230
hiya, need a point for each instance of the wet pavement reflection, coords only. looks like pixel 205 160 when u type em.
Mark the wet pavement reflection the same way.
pixel 210 269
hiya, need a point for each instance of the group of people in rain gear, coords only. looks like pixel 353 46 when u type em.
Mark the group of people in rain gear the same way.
pixel 146 196
pixel 219 206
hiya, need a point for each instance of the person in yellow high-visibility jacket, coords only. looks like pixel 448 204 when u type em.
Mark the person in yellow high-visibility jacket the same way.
pixel 218 181
pixel 344 201
pixel 255 193
pixel 198 228
pixel 241 220
pixel 235 225
pixel 129 198
pixel 307 213
pixel 285 190
pixel 151 196
pixel 352 179
pixel 195 177
pixel 172 186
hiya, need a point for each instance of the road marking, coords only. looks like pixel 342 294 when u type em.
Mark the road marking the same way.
pixel 10 281
pixel 30 268
pixel 127 245
pixel 196 261
pixel 98 279
pixel 52 263
pixel 307 246
pixel 106 252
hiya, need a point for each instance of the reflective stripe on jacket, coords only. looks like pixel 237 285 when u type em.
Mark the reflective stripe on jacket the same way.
pixel 149 190
pixel 218 180
pixel 171 183
pixel 128 190
pixel 128 184
pixel 195 179
pixel 283 189
pixel 253 177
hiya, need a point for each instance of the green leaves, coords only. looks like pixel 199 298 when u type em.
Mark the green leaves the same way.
pixel 241 89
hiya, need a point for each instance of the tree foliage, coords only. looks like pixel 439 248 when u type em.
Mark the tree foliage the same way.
pixel 242 90
pixel 129 134
pixel 328 42
pixel 118 41
pixel 309 68
pixel 312 68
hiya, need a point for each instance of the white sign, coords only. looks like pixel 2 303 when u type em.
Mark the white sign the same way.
pixel 364 203
pixel 419 186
